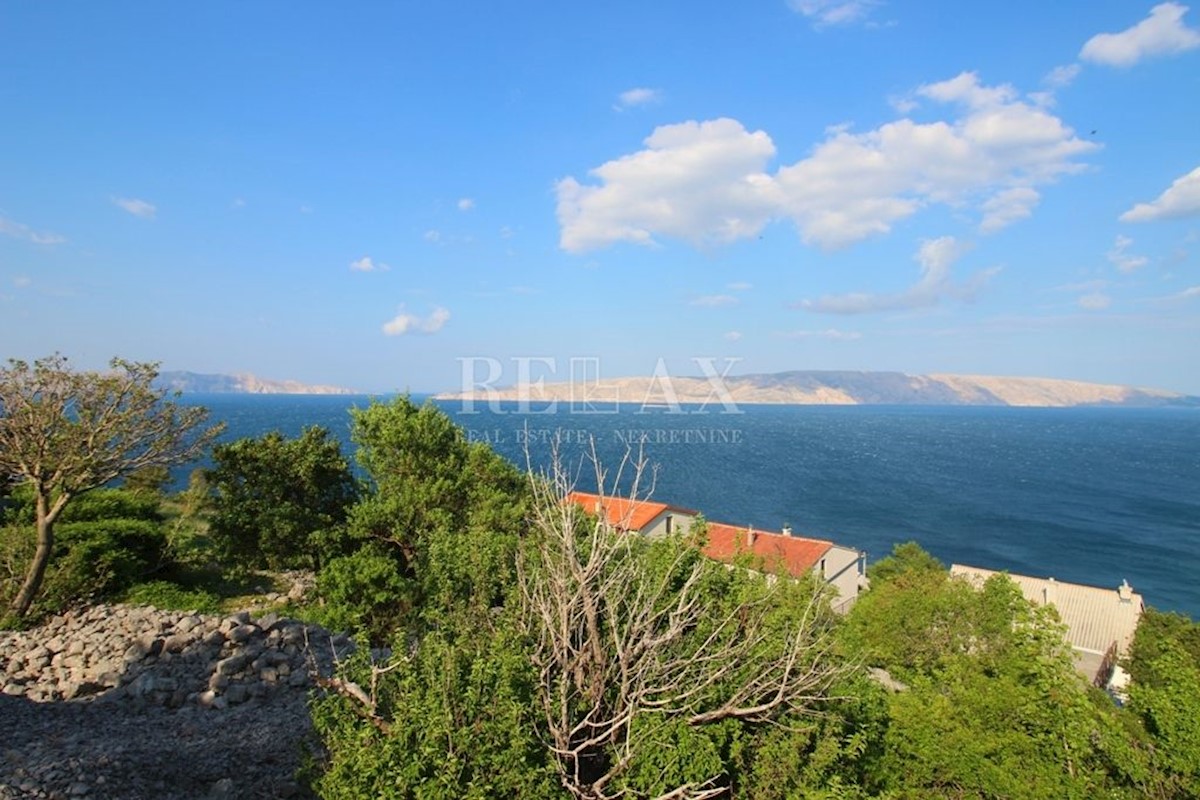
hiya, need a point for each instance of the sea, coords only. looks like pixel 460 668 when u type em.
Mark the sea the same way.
pixel 1086 495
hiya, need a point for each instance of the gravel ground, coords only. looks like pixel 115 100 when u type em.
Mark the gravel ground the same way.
pixel 124 750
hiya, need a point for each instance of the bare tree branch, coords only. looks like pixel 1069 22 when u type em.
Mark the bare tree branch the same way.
pixel 624 647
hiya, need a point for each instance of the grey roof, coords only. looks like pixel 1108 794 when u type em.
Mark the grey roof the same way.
pixel 1095 617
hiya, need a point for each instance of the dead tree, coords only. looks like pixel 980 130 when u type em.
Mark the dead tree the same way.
pixel 624 644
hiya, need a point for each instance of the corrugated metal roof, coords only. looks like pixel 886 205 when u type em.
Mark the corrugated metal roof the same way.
pixel 1095 617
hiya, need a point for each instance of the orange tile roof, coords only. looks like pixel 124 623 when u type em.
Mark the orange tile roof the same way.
pixel 794 554
pixel 626 515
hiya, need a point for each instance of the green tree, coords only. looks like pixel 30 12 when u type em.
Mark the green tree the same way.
pixel 65 433
pixel 448 512
pixel 905 558
pixel 992 706
pixel 1165 697
pixel 273 497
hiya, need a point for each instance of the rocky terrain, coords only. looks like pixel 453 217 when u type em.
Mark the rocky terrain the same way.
pixel 133 702
pixel 836 388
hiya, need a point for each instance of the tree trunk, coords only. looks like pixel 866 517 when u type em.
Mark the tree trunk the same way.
pixel 45 544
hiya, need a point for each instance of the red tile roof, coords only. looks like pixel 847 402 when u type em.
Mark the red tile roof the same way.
pixel 771 551
pixel 794 554
pixel 623 514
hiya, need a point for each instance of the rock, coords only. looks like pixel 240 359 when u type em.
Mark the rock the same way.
pixel 242 633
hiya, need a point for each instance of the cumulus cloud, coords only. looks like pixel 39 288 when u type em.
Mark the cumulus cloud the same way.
pixel 740 286
pixel 833 12
pixel 404 323
pixel 1181 199
pixel 641 96
pixel 1095 301
pixel 936 257
pixel 1120 257
pixel 707 182
pixel 139 208
pixel 465 203
pixel 367 264
pixel 22 281
pixel 733 336
pixel 18 230
pixel 698 181
pixel 1006 207
pixel 1160 34
pixel 432 236
pixel 713 300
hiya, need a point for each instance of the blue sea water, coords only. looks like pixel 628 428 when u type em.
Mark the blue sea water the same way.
pixel 1089 495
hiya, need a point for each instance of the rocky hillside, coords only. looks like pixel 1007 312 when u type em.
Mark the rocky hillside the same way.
pixel 848 388
pixel 242 383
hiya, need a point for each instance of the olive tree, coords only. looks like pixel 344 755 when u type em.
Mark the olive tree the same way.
pixel 64 433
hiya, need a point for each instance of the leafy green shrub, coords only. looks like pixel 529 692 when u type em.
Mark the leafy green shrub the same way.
pixel 363 592
pixel 274 497
pixel 100 558
pixel 173 597
pixel 100 504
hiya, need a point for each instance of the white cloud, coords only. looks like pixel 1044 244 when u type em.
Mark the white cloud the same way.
pixel 707 182
pixel 404 323
pixel 713 300
pixel 1006 207
pixel 22 281
pixel 829 333
pixel 733 336
pixel 465 203
pixel 367 264
pixel 1095 301
pixel 1190 293
pixel 1162 33
pixel 740 286
pixel 19 230
pixel 1181 199
pixel 139 208
pixel 641 96
pixel 238 202
pixel 1062 76
pixel 833 12
pixel 1120 257
pixel 433 236
pixel 936 257
pixel 698 181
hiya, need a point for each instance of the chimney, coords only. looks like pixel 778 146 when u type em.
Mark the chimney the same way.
pixel 1125 592
pixel 750 537
pixel 787 529
pixel 1049 592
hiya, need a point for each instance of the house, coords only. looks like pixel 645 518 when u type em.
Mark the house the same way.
pixel 840 567
pixel 639 516
pixel 1100 622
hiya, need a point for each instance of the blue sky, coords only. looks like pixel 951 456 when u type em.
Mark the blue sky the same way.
pixel 366 194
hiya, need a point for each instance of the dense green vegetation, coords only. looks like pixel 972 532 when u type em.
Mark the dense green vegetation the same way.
pixel 524 649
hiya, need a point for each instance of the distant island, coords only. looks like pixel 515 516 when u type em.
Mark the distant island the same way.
pixel 818 387
pixel 241 383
